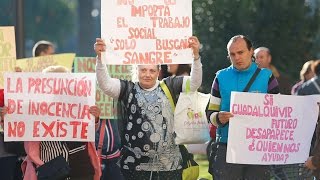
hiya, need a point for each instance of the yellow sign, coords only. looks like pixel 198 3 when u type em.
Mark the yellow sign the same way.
pixel 37 64
pixel 7 50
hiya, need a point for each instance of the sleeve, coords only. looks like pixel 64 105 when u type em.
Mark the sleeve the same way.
pixel 109 86
pixel 214 103
pixel 273 85
pixel 195 76
pixel 32 149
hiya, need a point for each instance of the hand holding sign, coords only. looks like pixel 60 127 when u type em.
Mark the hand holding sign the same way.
pixel 194 44
pixel 99 47
pixel 17 69
pixel 95 111
pixel 224 116
pixel 309 164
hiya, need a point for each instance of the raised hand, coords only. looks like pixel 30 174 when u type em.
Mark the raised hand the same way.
pixel 224 116
pixel 194 44
pixel 95 111
pixel 99 47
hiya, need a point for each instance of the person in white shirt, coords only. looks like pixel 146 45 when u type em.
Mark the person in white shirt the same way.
pixel 149 150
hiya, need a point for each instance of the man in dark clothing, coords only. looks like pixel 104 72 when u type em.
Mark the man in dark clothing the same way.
pixel 263 59
pixel 313 162
pixel 313 87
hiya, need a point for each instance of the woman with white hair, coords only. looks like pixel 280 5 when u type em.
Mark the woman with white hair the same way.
pixel 306 74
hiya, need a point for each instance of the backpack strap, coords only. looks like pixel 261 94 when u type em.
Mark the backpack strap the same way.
pixel 101 137
pixel 246 89
pixel 166 90
pixel 188 85
pixel 168 94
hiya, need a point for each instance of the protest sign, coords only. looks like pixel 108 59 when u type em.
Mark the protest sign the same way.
pixel 105 103
pixel 271 128
pixel 146 32
pixel 37 64
pixel 49 107
pixel 7 51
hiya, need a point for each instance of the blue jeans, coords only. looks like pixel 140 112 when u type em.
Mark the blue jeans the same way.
pixel 110 170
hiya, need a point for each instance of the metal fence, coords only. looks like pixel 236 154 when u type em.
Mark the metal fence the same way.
pixel 282 172
pixel 290 172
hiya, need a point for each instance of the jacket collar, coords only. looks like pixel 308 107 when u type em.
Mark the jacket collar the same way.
pixel 251 68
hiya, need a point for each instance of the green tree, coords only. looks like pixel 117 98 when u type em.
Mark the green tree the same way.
pixel 289 28
pixel 6 12
pixel 50 20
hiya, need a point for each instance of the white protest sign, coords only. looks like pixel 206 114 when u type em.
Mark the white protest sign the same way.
pixel 271 129
pixel 146 32
pixel 49 107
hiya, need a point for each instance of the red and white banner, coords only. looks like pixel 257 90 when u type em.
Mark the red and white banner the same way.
pixel 49 107
pixel 146 32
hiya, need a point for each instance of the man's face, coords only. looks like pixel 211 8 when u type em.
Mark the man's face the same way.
pixel 263 59
pixel 239 54
pixel 148 75
pixel 49 51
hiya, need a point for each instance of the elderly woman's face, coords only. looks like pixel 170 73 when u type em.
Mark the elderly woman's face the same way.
pixel 148 75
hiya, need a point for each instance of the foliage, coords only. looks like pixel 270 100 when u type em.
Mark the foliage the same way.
pixel 49 20
pixel 289 28
pixel 203 166
pixel 6 13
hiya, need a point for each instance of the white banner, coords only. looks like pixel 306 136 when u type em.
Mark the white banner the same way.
pixel 49 107
pixel 271 129
pixel 146 32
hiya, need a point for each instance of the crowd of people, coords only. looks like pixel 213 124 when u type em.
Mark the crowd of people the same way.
pixel 139 143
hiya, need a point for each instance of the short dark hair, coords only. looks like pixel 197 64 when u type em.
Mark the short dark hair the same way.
pixel 40 46
pixel 182 69
pixel 235 38
pixel 316 67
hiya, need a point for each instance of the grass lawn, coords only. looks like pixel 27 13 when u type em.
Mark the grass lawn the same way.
pixel 203 163
pixel 291 171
